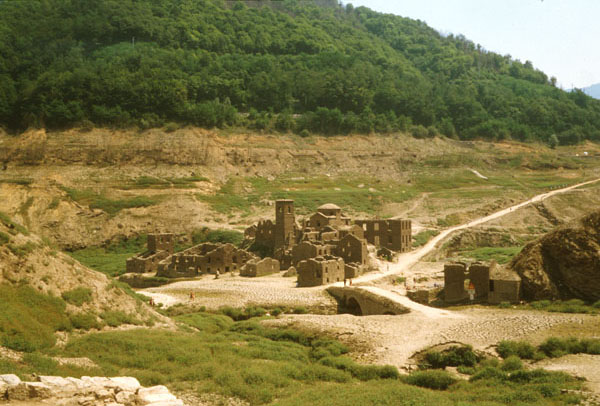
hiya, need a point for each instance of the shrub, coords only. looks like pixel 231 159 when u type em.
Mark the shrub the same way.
pixel 466 370
pixel 85 321
pixel 217 236
pixel 115 318
pixel 549 390
pixel 240 315
pixel 488 373
pixel 4 238
pixel 554 347
pixel 276 312
pixel 78 296
pixel 171 126
pixel 512 363
pixel 361 372
pixel 439 380
pixel 300 310
pixel 521 349
pixel 454 356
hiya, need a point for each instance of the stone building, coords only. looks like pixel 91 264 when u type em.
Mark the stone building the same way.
pixel 454 282
pixel 328 215
pixel 394 234
pixel 204 259
pixel 282 233
pixel 259 267
pixel 352 250
pixel 320 271
pixel 491 282
pixel 326 233
pixel 306 250
pixel 160 246
pixel 505 286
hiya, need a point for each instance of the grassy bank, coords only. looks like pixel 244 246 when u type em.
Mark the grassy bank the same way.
pixel 212 353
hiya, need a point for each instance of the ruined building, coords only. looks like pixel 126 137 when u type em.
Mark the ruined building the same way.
pixel 204 258
pixel 320 271
pixel 259 267
pixel 282 233
pixel 160 246
pixel 492 283
pixel 394 234
pixel 328 233
pixel 328 215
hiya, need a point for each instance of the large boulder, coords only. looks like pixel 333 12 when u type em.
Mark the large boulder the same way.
pixel 563 264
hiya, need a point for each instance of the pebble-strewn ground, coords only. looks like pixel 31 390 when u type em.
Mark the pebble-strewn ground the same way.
pixel 239 291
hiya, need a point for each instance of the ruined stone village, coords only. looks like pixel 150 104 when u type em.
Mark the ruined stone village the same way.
pixel 321 249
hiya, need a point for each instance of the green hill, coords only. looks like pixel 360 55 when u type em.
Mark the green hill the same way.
pixel 291 65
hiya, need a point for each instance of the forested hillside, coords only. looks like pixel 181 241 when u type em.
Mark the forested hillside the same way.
pixel 291 65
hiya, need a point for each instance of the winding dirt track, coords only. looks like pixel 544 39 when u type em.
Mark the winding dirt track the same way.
pixel 405 261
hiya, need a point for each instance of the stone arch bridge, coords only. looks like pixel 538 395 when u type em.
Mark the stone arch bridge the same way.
pixel 361 302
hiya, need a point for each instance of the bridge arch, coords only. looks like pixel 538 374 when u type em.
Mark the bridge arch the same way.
pixel 360 302
pixel 353 307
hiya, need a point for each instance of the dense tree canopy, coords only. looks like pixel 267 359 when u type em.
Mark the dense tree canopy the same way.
pixel 291 65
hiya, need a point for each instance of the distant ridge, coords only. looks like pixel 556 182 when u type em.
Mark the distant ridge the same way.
pixel 593 90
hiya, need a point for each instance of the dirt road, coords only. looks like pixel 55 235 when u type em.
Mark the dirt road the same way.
pixel 407 260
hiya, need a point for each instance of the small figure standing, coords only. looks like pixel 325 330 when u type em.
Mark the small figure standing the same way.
pixel 217 275
pixel 192 295
pixel 345 280
pixel 350 281
pixel 151 302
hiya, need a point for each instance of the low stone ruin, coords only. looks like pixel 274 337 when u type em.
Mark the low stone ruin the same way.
pixel 87 391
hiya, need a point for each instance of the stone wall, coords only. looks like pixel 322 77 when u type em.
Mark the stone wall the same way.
pixel 87 391
pixel 256 268
pixel 393 234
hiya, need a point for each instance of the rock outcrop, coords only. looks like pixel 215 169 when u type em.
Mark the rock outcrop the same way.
pixel 563 264
pixel 87 391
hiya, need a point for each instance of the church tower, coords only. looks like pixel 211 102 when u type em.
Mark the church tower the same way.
pixel 284 223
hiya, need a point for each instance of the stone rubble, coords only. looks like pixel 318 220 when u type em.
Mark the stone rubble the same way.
pixel 87 391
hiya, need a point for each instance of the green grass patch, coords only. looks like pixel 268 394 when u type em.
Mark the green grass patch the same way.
pixel 553 347
pixel 354 193
pixel 423 237
pixel 439 380
pixel 36 363
pixel 78 296
pixel 567 306
pixel 241 359
pixel 151 182
pixel 110 206
pixel 501 255
pixel 18 181
pixel 111 259
pixel 217 236
pixel 85 321
pixel 29 319
pixel 115 318
pixel 99 259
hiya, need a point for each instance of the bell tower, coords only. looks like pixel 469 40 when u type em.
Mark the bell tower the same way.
pixel 284 223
